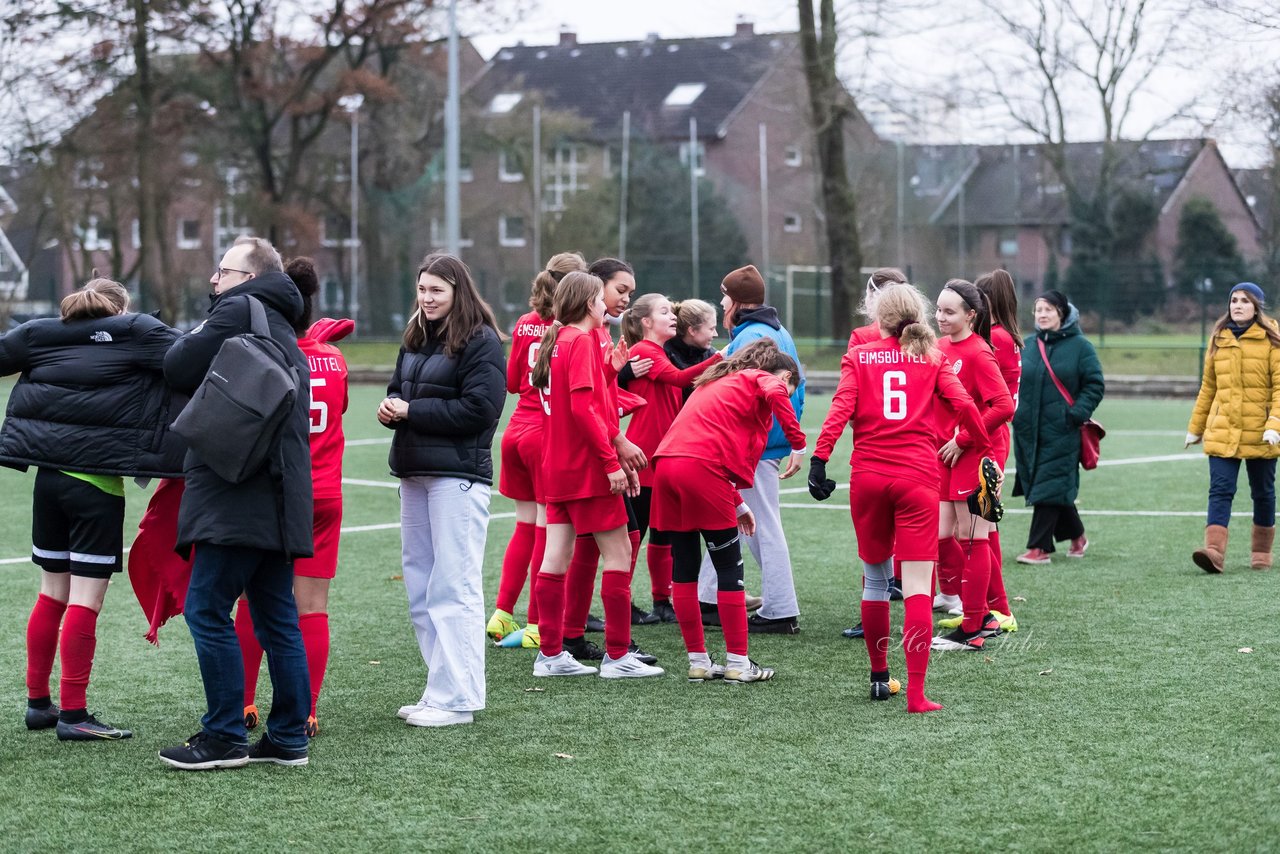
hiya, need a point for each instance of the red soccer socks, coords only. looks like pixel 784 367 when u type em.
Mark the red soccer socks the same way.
pixel 79 640
pixel 515 565
pixel 950 565
pixel 579 584
pixel 732 605
pixel 974 581
pixel 684 599
pixel 250 651
pixel 42 643
pixel 917 634
pixel 875 627
pixel 551 607
pixel 315 640
pixel 615 592
pixel 659 560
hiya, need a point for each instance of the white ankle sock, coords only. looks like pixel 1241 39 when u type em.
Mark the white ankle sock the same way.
pixel 738 661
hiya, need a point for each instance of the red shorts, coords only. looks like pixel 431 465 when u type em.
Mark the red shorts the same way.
pixel 893 516
pixel 328 526
pixel 691 494
pixel 958 482
pixel 589 515
pixel 520 477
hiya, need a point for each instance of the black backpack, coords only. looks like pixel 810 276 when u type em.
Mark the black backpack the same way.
pixel 234 418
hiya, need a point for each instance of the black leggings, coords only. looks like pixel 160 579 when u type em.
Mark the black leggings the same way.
pixel 641 506
pixel 725 550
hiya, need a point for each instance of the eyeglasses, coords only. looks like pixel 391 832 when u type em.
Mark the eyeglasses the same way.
pixel 222 271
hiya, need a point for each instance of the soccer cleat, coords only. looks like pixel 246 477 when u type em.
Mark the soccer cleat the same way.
pixel 854 632
pixel 46 718
pixel 1078 545
pixel 950 622
pixel 203 752
pixel 753 603
pixel 985 500
pixel 1035 557
pixel 433 717
pixel 500 625
pixel 583 649
pixel 886 689
pixel 531 638
pixel 594 623
pixel 250 717
pixel 641 617
pixel 563 664
pixel 639 653
pixel 947 603
pixel 1008 622
pixel 311 727
pixel 664 612
pixel 514 640
pixel 757 624
pixel 752 672
pixel 700 672
pixel 628 666
pixel 959 641
pixel 267 750
pixel 91 729
pixel 990 625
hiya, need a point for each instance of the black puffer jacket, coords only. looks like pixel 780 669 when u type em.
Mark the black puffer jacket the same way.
pixel 247 514
pixel 454 406
pixel 91 397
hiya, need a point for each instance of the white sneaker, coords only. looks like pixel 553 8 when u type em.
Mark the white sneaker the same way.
pixel 563 664
pixel 438 717
pixel 412 708
pixel 627 667
pixel 948 604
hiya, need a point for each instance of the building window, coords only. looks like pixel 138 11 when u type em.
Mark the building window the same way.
pixel 700 164
pixel 511 231
pixel 1008 238
pixel 335 230
pixel 791 223
pixel 792 156
pixel 564 175
pixel 135 232
pixel 684 94
pixel 189 234
pixel 504 102
pixel 95 236
pixel 509 168
pixel 437 236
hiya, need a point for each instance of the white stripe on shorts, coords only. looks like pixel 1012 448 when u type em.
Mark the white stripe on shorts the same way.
pixel 50 555
pixel 81 557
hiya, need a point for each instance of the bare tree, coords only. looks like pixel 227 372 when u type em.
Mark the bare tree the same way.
pixel 830 105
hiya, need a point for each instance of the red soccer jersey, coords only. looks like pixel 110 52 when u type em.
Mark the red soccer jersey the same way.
pixel 869 334
pixel 578 452
pixel 975 365
pixel 661 389
pixel 526 340
pixel 727 422
pixel 328 403
pixel 611 376
pixel 1009 357
pixel 888 395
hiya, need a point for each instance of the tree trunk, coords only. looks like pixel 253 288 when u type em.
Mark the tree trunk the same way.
pixel 828 104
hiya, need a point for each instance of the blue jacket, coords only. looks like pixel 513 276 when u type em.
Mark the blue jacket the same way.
pixel 754 324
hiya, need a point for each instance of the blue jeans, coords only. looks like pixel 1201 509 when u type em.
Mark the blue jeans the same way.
pixel 219 575
pixel 1223 474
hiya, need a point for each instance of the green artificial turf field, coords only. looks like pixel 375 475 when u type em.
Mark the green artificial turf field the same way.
pixel 1124 715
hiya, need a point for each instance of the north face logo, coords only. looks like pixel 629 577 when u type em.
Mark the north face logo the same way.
pixel 101 337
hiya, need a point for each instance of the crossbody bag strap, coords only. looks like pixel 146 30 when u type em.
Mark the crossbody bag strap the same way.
pixel 258 317
pixel 1044 354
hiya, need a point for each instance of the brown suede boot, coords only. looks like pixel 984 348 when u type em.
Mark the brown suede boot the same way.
pixel 1210 557
pixel 1263 539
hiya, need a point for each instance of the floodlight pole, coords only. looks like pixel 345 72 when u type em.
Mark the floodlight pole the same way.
pixel 452 159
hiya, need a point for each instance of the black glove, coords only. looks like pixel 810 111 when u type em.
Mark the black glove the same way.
pixel 820 486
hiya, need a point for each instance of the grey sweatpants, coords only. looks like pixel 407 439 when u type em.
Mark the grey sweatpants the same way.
pixel 768 546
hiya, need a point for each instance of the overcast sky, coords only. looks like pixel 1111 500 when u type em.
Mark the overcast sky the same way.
pixel 936 61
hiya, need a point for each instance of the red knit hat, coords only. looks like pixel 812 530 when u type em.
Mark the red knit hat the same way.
pixel 744 286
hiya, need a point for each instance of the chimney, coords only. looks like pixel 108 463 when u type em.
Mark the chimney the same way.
pixel 744 29
pixel 568 38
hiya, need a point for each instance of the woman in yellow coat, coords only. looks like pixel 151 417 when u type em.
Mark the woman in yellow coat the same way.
pixel 1237 416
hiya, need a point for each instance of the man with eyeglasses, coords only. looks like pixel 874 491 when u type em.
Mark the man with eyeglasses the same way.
pixel 246 535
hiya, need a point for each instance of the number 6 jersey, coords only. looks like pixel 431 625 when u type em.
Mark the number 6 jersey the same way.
pixel 888 396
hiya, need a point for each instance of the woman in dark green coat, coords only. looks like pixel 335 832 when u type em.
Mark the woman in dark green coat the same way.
pixel 1046 431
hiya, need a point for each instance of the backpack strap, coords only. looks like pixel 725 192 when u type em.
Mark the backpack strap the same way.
pixel 258 317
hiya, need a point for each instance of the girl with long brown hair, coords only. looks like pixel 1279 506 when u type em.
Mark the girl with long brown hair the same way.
pixel 444 401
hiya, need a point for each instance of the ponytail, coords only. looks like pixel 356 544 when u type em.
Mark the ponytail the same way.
pixel 543 292
pixel 576 292
pixel 100 297
pixel 762 355
pixel 540 377
pixel 900 310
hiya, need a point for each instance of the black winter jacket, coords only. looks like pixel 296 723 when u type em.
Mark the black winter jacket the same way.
pixel 454 406
pixel 91 397
pixel 248 514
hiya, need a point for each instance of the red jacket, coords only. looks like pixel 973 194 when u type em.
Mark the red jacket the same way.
pixel 661 389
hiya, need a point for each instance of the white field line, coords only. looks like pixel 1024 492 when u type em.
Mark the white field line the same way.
pixel 1020 511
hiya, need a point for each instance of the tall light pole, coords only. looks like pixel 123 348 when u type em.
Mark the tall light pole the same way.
pixel 352 104
pixel 452 155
